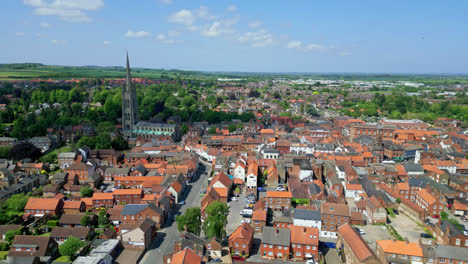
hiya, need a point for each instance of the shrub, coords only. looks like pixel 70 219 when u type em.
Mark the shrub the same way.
pixel 52 223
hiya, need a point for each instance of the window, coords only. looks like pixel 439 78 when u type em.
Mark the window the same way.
pixel 298 245
pixel 314 247
pixel 415 258
pixel 243 245
pixel 457 242
pixel 405 257
pixel 237 244
pixel 270 253
pixel 298 253
pixel 293 245
pixel 279 255
pixel 209 246
pixel 271 246
pixel 280 247
pixel 466 243
pixel 308 247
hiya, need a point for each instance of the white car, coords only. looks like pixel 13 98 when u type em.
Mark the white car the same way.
pixel 234 199
pixel 245 221
pixel 280 189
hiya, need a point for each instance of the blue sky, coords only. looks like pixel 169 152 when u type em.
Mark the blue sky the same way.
pixel 221 35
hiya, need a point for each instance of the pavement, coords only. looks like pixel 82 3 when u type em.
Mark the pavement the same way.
pixel 406 227
pixel 374 233
pixel 164 242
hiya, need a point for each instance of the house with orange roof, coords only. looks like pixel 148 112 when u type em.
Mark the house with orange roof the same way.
pixel 259 219
pixel 272 177
pixel 355 249
pixel 38 207
pixel 304 242
pixel 459 207
pixel 428 202
pixel 128 196
pixel 103 200
pixel 186 256
pixel 252 175
pixel 438 175
pixel 241 240
pixel 239 169
pixel 375 211
pixel 448 165
pixel 177 187
pixel 403 190
pixel 391 251
pixel 277 200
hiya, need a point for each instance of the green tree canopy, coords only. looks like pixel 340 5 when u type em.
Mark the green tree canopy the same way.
pixel 9 235
pixel 85 220
pixel 70 247
pixel 86 191
pixel 192 219
pixel 216 220
pixel 119 143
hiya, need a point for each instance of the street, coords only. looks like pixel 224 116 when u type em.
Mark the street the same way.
pixel 164 242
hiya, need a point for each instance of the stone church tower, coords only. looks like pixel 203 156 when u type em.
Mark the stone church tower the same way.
pixel 129 104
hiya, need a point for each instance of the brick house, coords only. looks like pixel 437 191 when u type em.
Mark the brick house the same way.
pixel 353 247
pixel 275 243
pixel 448 234
pixel 428 202
pixel 128 196
pixel 72 220
pixel 132 213
pixel 259 219
pixel 241 240
pixel 304 242
pixel 103 200
pixel 390 251
pixel 38 207
pixel 111 173
pixel 449 254
pixel 61 234
pixel 276 200
pixel 139 235
pixel 65 159
pixel 213 248
pixel 375 211
pixel 333 216
pixel 33 246
pixel 73 207
pixel 185 256
pixel 82 170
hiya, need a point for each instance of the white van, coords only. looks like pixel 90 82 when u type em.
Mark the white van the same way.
pixel 248 212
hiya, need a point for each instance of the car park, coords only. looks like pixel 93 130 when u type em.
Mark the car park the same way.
pixel 360 231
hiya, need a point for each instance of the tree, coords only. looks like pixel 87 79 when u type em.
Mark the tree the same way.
pixel 85 220
pixel 216 220
pixel 19 129
pixel 4 152
pixel 443 215
pixel 16 203
pixel 119 143
pixel 70 247
pixel 103 141
pixel 184 129
pixel 9 235
pixel 212 130
pixel 232 127
pixel 311 110
pixel 86 191
pixel 103 220
pixel 22 150
pixel 190 219
pixel 398 200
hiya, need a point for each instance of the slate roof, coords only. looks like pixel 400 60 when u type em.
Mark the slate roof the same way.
pixel 413 167
pixel 454 231
pixel 307 214
pixel 133 209
pixel 276 236
pixel 451 252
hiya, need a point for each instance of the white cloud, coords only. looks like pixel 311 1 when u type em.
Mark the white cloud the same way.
pixel 161 37
pixel 107 42
pixel 203 13
pixel 312 47
pixel 68 10
pixel 44 24
pixel 173 33
pixel 138 34
pixel 259 39
pixel 19 34
pixel 221 27
pixel 184 17
pixel 345 53
pixel 166 2
pixel 58 42
pixel 231 8
pixel 294 44
pixel 255 24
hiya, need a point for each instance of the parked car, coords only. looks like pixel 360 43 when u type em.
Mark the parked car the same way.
pixel 245 221
pixel 235 194
pixel 261 189
pixel 280 189
pixel 234 199
pixel 239 258
pixel 463 219
pixel 465 232
pixel 360 231
pixel 216 260
pixel 425 235
pixel 251 205
pixel 436 216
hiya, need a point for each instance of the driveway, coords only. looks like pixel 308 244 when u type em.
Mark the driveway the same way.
pixel 164 242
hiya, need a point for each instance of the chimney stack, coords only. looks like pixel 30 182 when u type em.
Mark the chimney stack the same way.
pixel 276 231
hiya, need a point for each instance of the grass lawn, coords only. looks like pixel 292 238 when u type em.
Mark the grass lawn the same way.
pixel 53 154
pixel 3 255
pixel 63 259
pixel 45 234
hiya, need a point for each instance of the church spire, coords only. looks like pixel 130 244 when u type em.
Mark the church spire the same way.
pixel 128 78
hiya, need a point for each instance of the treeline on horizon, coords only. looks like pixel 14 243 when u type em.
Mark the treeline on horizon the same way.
pixel 38 70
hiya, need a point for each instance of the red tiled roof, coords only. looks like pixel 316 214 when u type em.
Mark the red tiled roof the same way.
pixel 354 240
pixel 42 204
